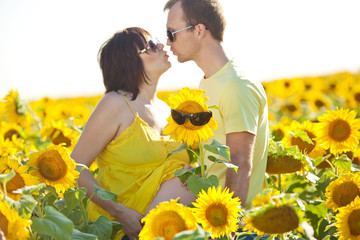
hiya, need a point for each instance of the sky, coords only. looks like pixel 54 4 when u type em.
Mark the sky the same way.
pixel 48 48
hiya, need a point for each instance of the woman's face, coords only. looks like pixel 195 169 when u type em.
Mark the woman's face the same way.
pixel 154 58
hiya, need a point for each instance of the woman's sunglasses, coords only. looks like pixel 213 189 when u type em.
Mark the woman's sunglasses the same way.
pixel 152 45
pixel 171 35
pixel 197 119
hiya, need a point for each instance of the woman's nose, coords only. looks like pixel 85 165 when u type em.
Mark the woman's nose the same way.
pixel 160 46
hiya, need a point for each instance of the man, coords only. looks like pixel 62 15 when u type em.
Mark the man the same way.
pixel 195 31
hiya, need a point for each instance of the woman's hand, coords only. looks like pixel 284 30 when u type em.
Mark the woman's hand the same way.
pixel 131 222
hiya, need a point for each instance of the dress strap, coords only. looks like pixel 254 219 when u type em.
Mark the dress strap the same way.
pixel 127 103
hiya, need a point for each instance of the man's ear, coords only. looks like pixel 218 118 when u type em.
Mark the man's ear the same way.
pixel 200 30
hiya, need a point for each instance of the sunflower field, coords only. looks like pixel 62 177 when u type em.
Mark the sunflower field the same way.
pixel 311 188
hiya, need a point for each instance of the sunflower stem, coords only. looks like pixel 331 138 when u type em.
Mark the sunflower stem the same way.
pixel 83 210
pixel 34 116
pixel 279 179
pixel 5 191
pixel 202 153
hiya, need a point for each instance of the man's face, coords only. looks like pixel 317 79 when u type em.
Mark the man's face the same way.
pixel 184 42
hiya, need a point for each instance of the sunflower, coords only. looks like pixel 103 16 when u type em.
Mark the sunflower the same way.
pixel 348 220
pixel 353 98
pixel 217 211
pixel 7 147
pixel 15 109
pixel 189 101
pixel 278 131
pixel 342 191
pixel 277 217
pixel 317 101
pixel 58 132
pixel 284 160
pixel 313 84
pixel 356 158
pixel 338 131
pixel 291 140
pixel 8 130
pixel 54 167
pixel 284 88
pixel 166 220
pixel 282 164
pixel 13 226
pixel 21 179
pixel 292 107
pixel 265 198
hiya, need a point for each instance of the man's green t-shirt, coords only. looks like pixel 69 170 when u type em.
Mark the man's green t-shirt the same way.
pixel 242 107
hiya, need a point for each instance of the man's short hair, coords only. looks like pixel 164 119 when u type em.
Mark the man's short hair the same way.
pixel 207 12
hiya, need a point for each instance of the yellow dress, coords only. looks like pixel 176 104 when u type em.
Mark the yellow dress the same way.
pixel 133 166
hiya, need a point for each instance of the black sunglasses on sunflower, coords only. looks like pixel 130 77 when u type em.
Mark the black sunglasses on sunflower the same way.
pixel 152 45
pixel 197 119
pixel 171 35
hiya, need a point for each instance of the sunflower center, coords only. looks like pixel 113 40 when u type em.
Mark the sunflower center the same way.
pixel 277 220
pixel 168 223
pixel 15 183
pixel 345 193
pixel 58 137
pixel 282 164
pixel 278 134
pixel 319 103
pixel 354 222
pixel 216 214
pixel 304 146
pixel 339 130
pixel 190 107
pixel 291 108
pixel 3 223
pixel 357 97
pixel 52 166
pixel 10 133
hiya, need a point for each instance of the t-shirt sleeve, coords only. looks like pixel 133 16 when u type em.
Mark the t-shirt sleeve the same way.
pixel 240 107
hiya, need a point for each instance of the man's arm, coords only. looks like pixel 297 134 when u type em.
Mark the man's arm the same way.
pixel 241 146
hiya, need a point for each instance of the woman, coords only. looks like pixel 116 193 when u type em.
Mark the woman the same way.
pixel 124 134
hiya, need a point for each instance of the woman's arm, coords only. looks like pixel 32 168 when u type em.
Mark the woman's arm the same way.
pixel 100 130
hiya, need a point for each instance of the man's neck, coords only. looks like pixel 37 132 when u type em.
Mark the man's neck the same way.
pixel 211 59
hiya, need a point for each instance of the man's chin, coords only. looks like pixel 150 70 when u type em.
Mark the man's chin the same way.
pixel 182 60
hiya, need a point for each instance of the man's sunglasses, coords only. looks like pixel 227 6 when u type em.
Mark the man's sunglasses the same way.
pixel 171 35
pixel 152 45
pixel 197 119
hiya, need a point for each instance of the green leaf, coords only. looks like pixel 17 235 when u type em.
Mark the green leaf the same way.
pixel 116 226
pixel 219 149
pixel 320 160
pixel 4 178
pixel 53 224
pixel 184 174
pixel 214 107
pixel 103 194
pixel 319 209
pixel 102 228
pixel 30 189
pixel 228 165
pixel 196 183
pixel 179 149
pixel 198 234
pixel 73 197
pixel 303 135
pixel 193 156
pixel 77 235
pixel 342 162
pixel 27 204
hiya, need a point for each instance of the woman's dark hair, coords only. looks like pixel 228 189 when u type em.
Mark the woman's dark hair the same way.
pixel 120 63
